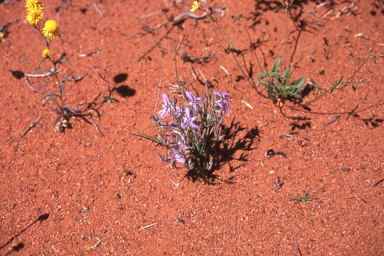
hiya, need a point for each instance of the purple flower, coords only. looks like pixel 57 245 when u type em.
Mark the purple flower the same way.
pixel 188 120
pixel 177 111
pixel 176 156
pixel 181 143
pixel 167 106
pixel 222 101
pixel 196 102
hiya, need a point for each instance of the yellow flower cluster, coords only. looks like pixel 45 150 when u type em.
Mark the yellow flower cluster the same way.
pixel 34 11
pixel 35 15
pixel 34 4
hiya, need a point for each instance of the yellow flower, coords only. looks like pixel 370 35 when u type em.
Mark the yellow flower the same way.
pixel 195 6
pixel 51 29
pixel 34 4
pixel 34 16
pixel 46 53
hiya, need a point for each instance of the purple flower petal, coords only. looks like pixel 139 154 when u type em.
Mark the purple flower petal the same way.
pixel 194 126
pixel 167 106
pixel 190 96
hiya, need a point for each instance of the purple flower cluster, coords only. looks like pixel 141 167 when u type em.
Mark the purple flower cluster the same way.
pixel 194 128
pixel 222 101
pixel 188 118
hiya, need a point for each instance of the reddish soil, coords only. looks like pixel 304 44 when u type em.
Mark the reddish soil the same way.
pixel 61 192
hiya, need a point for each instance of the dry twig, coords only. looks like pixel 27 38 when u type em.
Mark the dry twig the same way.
pixel 97 244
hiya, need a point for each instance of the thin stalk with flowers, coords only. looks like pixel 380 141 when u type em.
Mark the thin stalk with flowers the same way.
pixel 50 31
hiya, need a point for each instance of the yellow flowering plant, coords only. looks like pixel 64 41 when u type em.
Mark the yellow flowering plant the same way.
pixel 50 31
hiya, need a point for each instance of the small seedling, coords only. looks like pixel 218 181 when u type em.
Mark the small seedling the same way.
pixel 304 198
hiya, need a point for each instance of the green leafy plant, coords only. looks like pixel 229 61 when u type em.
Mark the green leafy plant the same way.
pixel 278 85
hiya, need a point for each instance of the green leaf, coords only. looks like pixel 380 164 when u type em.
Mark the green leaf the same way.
pixel 49 94
pixel 274 73
pixel 299 82
pixel 42 61
pixel 70 110
pixel 45 70
pixel 65 78
pixel 57 119
pixel 296 95
pixel 286 77
pixel 262 75
pixel 275 68
pixel 61 85
pixel 277 62
pixel 52 99
pixel 64 61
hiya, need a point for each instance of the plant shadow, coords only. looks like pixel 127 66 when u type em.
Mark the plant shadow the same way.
pixel 227 151
pixel 372 122
pixel 18 246
pixel 93 107
pixel 124 91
